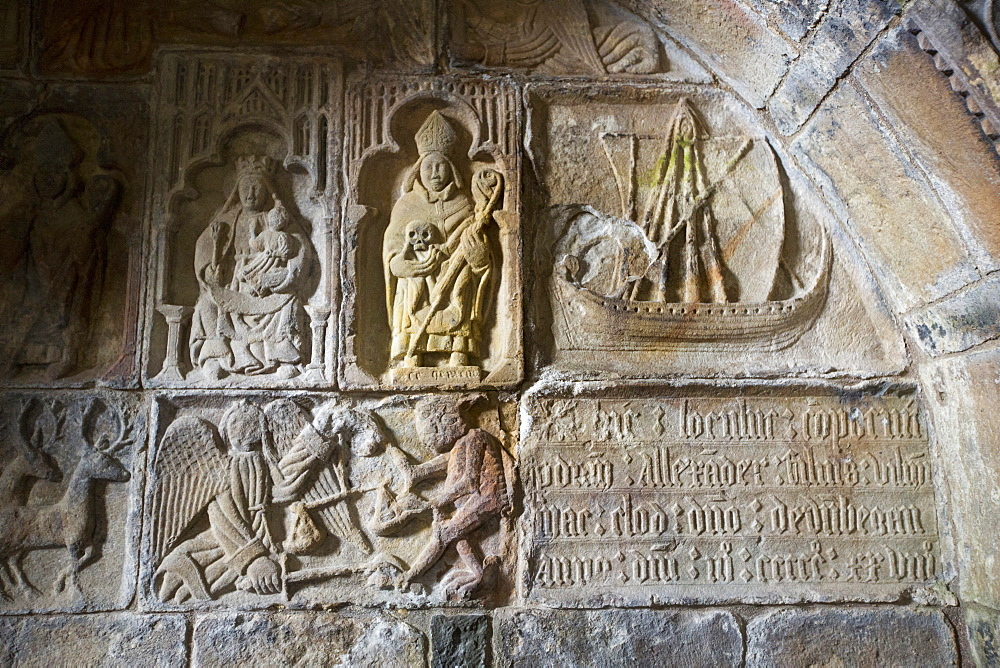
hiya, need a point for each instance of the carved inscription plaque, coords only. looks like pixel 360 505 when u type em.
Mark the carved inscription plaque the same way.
pixel 761 498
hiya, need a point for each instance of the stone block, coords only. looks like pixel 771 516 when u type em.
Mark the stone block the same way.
pixel 982 627
pixel 935 126
pixel 645 497
pixel 93 640
pixel 962 391
pixel 693 639
pixel 308 500
pixel 730 37
pixel 611 292
pixel 14 17
pixel 305 639
pixel 847 28
pixel 862 637
pixel 795 20
pixel 71 475
pixel 460 641
pixel 73 184
pixel 881 193
pixel 961 321
pixel 94 38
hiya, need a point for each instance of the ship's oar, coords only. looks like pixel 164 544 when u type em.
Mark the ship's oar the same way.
pixel 483 215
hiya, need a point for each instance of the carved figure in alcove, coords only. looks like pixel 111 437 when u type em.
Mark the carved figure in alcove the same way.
pixel 558 36
pixel 437 259
pixel 250 263
pixel 473 496
pixel 56 230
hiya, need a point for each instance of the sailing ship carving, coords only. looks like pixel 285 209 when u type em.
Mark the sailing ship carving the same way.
pixel 696 266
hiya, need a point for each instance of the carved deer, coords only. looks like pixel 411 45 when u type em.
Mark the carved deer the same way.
pixel 71 522
pixel 36 426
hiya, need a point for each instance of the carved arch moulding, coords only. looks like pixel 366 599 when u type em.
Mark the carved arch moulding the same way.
pixel 245 202
pixel 431 237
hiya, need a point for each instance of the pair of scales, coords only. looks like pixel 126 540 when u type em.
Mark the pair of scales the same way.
pixel 693 260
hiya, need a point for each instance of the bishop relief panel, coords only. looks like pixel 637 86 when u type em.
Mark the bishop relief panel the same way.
pixel 686 247
pixel 70 216
pixel 307 500
pixel 432 235
pixel 70 481
pixel 682 496
pixel 244 210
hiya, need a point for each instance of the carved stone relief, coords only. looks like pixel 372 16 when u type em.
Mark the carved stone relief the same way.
pixel 697 497
pixel 68 485
pixel 432 232
pixel 302 500
pixel 245 201
pixel 680 244
pixel 70 280
pixel 560 37
pixel 112 37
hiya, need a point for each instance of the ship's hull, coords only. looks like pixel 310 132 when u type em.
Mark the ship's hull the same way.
pixel 587 321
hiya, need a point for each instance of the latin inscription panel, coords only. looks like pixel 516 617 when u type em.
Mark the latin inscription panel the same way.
pixel 680 499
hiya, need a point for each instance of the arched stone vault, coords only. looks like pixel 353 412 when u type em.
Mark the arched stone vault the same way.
pixel 884 116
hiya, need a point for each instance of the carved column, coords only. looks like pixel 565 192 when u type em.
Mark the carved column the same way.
pixel 175 317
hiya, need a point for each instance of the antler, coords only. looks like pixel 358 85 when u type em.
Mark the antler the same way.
pixel 110 439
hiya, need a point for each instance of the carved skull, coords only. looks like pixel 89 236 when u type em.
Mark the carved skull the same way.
pixel 420 234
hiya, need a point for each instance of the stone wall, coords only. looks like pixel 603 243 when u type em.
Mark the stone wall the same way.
pixel 571 332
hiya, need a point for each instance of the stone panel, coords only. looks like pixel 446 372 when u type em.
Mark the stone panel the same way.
pixel 244 219
pixel 731 38
pixel 301 500
pixel 862 637
pixel 983 631
pixel 432 235
pixel 93 640
pixel 70 485
pixel 693 639
pixel 13 33
pixel 848 27
pixel 619 289
pixel 643 498
pixel 460 640
pixel 948 142
pixel 882 194
pixel 305 639
pixel 963 320
pixel 102 38
pixel 71 214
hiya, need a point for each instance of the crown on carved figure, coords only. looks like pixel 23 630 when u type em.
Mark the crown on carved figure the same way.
pixel 254 165
pixel 435 135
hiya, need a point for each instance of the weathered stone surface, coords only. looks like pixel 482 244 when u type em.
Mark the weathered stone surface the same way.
pixel 732 39
pixel 962 390
pixel 612 291
pixel 69 511
pixel 305 639
pixel 617 638
pixel 848 27
pixel 882 194
pixel 13 33
pixel 316 500
pixel 244 257
pixel 795 20
pixel 964 320
pixel 983 630
pixel 862 637
pixel 460 640
pixel 101 38
pixel 432 236
pixel 644 498
pixel 93 640
pixel 931 120
pixel 70 280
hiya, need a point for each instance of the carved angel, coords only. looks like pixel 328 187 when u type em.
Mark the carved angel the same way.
pixel 223 501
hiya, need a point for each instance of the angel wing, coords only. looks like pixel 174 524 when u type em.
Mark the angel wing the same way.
pixel 303 471
pixel 190 469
